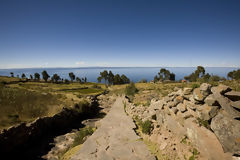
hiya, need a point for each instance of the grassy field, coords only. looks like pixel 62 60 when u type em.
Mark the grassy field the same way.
pixel 25 101
pixel 22 101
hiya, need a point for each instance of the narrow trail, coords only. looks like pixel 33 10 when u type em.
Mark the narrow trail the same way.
pixel 115 139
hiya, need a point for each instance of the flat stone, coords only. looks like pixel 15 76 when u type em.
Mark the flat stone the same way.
pixel 206 141
pixel 235 104
pixel 220 89
pixel 187 91
pixel 181 107
pixel 226 105
pixel 227 130
pixel 208 112
pixel 210 100
pixel 233 95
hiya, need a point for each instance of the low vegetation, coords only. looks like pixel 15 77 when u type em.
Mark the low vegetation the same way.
pixel 24 101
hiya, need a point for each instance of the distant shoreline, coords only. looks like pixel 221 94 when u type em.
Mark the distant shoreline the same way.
pixel 104 67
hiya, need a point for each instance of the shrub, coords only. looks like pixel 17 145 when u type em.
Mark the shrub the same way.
pixel 3 83
pixel 81 135
pixel 146 127
pixel 66 81
pixel 195 85
pixel 96 86
pixel 130 90
pixel 83 106
pixel 203 123
pixel 143 81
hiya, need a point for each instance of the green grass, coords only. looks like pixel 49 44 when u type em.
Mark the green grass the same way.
pixel 20 105
pixel 26 101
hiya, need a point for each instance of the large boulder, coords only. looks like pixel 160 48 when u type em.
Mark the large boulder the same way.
pixel 205 89
pixel 205 141
pixel 233 95
pixel 227 130
pixel 197 95
pixel 210 100
pixel 207 112
pixel 220 89
pixel 187 91
pixel 226 105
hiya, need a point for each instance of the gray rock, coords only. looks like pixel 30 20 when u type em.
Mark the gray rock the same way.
pixel 179 92
pixel 190 105
pixel 220 89
pixel 235 104
pixel 205 89
pixel 225 104
pixel 233 95
pixel 181 107
pixel 227 130
pixel 167 99
pixel 207 143
pixel 175 110
pixel 187 91
pixel 197 95
pixel 179 99
pixel 208 112
pixel 210 100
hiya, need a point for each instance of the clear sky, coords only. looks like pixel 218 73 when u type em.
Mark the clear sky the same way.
pixel 79 33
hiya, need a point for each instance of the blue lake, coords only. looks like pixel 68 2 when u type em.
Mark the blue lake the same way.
pixel 134 73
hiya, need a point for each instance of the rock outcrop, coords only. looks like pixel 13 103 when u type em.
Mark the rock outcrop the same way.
pixel 208 116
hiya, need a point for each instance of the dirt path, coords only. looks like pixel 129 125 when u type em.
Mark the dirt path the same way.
pixel 115 139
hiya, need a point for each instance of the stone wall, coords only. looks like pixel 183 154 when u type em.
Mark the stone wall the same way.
pixel 208 116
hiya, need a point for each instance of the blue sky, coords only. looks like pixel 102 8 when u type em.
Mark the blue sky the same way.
pixel 80 33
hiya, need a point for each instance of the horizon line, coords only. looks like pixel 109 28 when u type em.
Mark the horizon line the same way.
pixel 119 67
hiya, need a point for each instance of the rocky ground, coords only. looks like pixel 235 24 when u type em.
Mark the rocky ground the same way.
pixel 204 120
pixel 115 139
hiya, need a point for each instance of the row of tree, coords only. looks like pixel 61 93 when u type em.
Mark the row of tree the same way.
pixel 164 75
pixel 200 75
pixel 235 74
pixel 110 78
pixel 55 78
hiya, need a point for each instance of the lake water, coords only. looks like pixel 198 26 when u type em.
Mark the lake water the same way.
pixel 134 73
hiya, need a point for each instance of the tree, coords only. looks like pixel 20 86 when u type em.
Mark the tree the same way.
pixel 78 79
pixel 117 79
pixel 164 74
pixel 198 73
pixel 23 76
pixel 55 78
pixel 235 74
pixel 99 79
pixel 72 76
pixel 36 76
pixel 230 75
pixel 45 75
pixel 31 77
pixel 172 77
pixel 110 77
pixel 124 79
pixel 12 74
pixel 155 79
pixel 104 75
